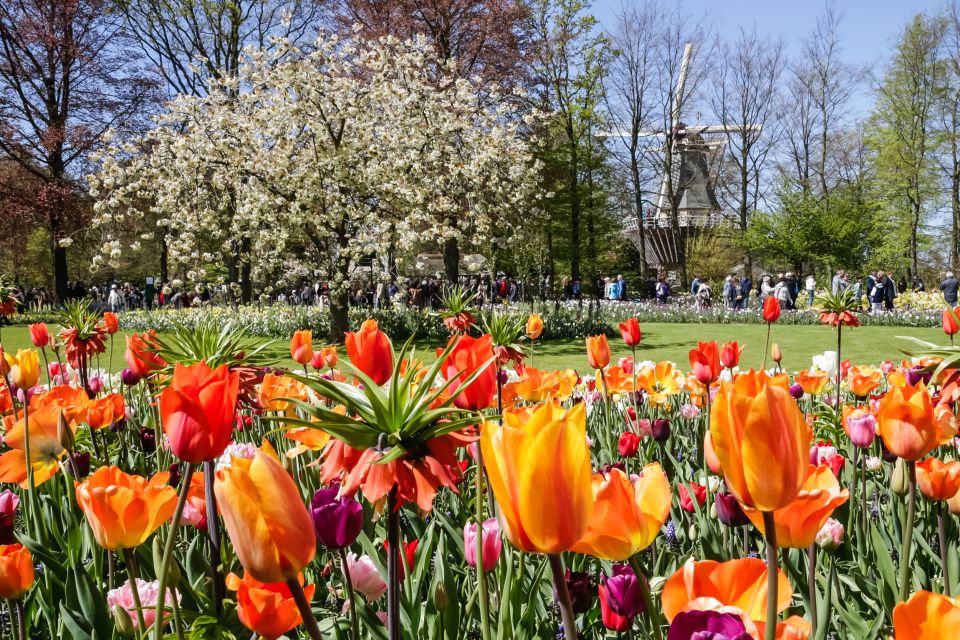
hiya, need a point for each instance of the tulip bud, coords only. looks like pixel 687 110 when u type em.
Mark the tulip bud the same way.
pixel 775 353
pixel 173 570
pixel 693 532
pixel 874 463
pixel 64 433
pixel 661 429
pixel 491 543
pixel 830 536
pixel 121 621
pixel 900 480
pixel 580 589
pixel 440 598
pixel 796 391
pixel 729 511
pixel 78 464
pixel 94 386
pixel 129 377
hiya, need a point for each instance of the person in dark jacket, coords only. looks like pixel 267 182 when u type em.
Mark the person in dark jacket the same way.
pixel 949 288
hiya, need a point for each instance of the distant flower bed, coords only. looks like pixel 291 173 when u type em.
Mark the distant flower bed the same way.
pixel 566 320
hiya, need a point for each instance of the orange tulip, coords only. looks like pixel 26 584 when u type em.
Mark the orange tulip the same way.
pixel 598 351
pixel 813 381
pixel 737 583
pixel 104 411
pixel 141 354
pixel 198 411
pixel 926 616
pixel 546 501
pixel 267 609
pixel 730 354
pixel 330 357
pixel 938 480
pixel 46 449
pixel 630 332
pixel 705 362
pixel 627 514
pixel 369 350
pixel 863 380
pixel 616 380
pixel 267 521
pixel 110 322
pixel 536 385
pixel 534 326
pixel 122 509
pixel 798 522
pixel 16 571
pixel 748 429
pixel 72 402
pixel 301 347
pixel 906 422
pixel 276 386
pixel 949 321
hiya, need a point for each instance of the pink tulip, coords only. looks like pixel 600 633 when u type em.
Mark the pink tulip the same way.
pixel 492 543
pixel 365 577
pixel 626 364
pixel 861 427
pixel 149 591
pixel 689 411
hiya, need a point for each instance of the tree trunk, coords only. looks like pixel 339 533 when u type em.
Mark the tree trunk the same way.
pixel 574 180
pixel 451 260
pixel 246 286
pixel 339 320
pixel 163 257
pixel 638 200
pixel 60 274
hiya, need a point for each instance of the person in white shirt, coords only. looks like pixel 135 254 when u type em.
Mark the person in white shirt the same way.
pixel 811 286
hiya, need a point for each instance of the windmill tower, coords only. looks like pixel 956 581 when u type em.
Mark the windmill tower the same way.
pixel 695 156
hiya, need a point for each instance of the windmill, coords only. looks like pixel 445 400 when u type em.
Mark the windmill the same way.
pixel 696 153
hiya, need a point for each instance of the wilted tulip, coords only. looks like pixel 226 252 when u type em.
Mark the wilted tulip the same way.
pixel 491 542
pixel 337 520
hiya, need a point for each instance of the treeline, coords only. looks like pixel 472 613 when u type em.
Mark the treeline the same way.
pixel 805 183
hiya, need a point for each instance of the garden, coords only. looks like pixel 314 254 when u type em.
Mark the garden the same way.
pixel 199 483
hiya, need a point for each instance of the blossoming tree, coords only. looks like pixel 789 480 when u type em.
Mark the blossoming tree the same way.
pixel 327 155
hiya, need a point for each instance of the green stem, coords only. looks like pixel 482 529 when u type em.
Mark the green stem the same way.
pixel 942 531
pixel 134 589
pixel 770 533
pixel 348 585
pixel 563 597
pixel 21 620
pixel 481 578
pixel 393 566
pixel 908 533
pixel 168 549
pixel 213 530
pixel 309 620
pixel 812 586
pixel 766 350
pixel 652 613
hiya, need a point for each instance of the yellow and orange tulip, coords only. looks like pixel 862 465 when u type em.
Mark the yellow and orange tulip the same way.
pixel 301 347
pixel 267 521
pixel 660 382
pixel 123 509
pixel 46 449
pixel 539 468
pixel 798 522
pixel 812 381
pixel 598 351
pixel 534 326
pixel 24 368
pixel 749 427
pixel 863 380
pixel 627 514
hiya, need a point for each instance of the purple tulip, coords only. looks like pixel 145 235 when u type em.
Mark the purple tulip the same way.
pixel 796 391
pixel 581 591
pixel 8 513
pixel 129 378
pixel 148 440
pixel 94 386
pixel 337 520
pixel 78 464
pixel 623 591
pixel 917 374
pixel 862 428
pixel 660 430
pixel 729 511
pixel 707 625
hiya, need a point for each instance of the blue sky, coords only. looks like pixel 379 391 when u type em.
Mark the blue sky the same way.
pixel 869 28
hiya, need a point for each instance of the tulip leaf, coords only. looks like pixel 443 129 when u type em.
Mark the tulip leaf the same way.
pixel 884 563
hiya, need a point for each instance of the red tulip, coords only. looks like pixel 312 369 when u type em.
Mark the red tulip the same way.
pixel 705 362
pixel 950 326
pixel 370 351
pixel 39 335
pixel 699 492
pixel 110 322
pixel 141 354
pixel 771 309
pixel 630 332
pixel 467 356
pixel 197 411
pixel 410 553
pixel 730 354
pixel 628 444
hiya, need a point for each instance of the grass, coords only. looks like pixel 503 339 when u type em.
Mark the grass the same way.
pixel 664 341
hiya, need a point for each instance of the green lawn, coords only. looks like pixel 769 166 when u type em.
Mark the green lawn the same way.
pixel 868 345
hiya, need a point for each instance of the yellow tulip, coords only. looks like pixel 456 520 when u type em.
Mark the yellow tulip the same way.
pixel 539 469
pixel 24 368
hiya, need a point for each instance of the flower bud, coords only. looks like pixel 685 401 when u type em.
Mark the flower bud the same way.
pixel 440 598
pixel 337 520
pixel 900 480
pixel 121 621
pixel 660 430
pixel 830 536
pixel 874 463
pixel 775 352
pixel 729 511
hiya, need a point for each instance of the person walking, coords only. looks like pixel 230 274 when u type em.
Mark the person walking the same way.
pixel 876 292
pixel 811 287
pixel 621 289
pixel 745 285
pixel 889 293
pixel 662 290
pixel 948 287
pixel 782 293
pixel 695 286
